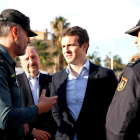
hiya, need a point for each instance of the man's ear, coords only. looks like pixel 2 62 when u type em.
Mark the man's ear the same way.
pixel 85 46
pixel 15 32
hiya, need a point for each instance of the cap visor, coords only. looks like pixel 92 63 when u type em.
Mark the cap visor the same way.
pixel 30 32
pixel 133 31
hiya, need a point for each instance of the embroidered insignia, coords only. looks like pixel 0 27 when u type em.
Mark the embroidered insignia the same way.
pixel 122 84
pixel 13 75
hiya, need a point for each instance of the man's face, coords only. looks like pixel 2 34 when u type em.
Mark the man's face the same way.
pixel 73 53
pixel 30 62
pixel 21 42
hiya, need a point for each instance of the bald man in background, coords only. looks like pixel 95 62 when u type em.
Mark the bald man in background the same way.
pixel 32 82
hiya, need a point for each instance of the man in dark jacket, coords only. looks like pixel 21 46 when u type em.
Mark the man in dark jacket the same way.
pixel 84 91
pixel 32 82
pixel 123 119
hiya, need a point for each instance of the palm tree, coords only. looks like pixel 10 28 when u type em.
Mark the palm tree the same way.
pixel 58 26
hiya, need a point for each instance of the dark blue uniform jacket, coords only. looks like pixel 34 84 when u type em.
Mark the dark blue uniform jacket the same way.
pixel 12 115
pixel 123 118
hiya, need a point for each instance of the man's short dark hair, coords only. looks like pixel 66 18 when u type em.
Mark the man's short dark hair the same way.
pixel 80 32
pixel 5 27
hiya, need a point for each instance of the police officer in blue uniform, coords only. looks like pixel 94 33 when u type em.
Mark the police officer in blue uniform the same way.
pixel 123 118
pixel 14 38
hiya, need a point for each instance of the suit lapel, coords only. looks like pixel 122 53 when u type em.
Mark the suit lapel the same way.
pixel 26 87
pixel 91 83
pixel 63 82
pixel 92 78
pixel 44 81
pixel 41 83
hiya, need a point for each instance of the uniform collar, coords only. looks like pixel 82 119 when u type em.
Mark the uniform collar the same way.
pixel 6 55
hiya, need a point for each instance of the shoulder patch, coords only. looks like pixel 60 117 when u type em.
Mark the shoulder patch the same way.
pixel 122 84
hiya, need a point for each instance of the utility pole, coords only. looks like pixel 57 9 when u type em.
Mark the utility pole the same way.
pixel 112 46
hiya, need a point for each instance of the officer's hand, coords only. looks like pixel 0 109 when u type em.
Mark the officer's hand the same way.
pixel 40 134
pixel 45 104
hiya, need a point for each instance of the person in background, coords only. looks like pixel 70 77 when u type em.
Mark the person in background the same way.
pixel 32 82
pixel 14 38
pixel 123 118
pixel 84 91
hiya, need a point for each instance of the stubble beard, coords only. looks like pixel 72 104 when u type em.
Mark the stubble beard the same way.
pixel 19 50
pixel 33 72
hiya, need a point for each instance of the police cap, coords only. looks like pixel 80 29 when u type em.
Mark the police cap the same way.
pixel 16 16
pixel 134 31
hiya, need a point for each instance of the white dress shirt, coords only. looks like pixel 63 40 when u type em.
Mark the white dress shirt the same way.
pixel 34 85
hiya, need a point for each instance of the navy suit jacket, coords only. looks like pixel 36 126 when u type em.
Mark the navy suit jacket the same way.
pixel 44 121
pixel 91 121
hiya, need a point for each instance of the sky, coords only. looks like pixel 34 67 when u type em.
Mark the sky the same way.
pixel 106 21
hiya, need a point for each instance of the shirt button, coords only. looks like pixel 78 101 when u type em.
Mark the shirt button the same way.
pixel 77 103
pixel 76 91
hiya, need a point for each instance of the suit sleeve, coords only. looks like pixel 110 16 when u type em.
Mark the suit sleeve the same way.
pixel 111 85
pixel 107 86
pixel 11 113
pixel 122 117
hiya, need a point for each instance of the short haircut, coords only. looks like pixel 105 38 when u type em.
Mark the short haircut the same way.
pixel 5 27
pixel 80 32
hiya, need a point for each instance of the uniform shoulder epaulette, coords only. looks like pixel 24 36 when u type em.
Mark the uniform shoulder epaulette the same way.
pixel 132 63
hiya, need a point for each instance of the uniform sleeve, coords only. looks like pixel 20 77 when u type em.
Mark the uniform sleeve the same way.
pixel 12 115
pixel 122 119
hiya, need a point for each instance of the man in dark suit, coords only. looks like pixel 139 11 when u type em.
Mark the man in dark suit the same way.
pixel 32 82
pixel 84 91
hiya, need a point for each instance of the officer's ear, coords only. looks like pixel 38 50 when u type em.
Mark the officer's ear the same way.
pixel 15 33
